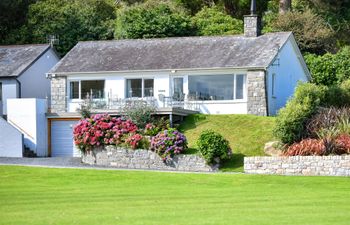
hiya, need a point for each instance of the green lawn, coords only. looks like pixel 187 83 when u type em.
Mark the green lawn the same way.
pixel 247 134
pixel 72 196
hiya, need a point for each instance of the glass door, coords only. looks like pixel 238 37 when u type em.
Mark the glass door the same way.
pixel 178 88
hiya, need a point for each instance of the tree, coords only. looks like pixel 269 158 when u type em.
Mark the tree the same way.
pixel 13 15
pixel 310 30
pixel 71 20
pixel 285 6
pixel 239 8
pixel 213 21
pixel 194 6
pixel 153 19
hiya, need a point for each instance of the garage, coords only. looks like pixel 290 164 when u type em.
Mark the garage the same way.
pixel 62 144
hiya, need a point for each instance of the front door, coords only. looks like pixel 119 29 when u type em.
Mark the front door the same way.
pixel 178 88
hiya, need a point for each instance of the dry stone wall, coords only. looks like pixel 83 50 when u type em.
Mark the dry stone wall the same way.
pixel 143 159
pixel 299 165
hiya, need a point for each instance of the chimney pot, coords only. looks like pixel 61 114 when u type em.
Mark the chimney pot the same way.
pixel 252 26
pixel 253 7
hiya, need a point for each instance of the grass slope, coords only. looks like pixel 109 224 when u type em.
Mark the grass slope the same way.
pixel 247 134
pixel 71 196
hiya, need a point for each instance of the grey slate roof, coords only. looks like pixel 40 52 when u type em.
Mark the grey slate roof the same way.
pixel 173 53
pixel 15 59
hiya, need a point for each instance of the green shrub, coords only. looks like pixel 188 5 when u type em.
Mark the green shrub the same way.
pixel 139 112
pixel 214 21
pixel 338 95
pixel 329 69
pixel 291 120
pixel 213 145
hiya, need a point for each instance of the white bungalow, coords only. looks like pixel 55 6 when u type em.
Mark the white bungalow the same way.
pixel 242 74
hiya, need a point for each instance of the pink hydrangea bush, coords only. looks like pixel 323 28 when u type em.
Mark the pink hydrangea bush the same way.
pixel 151 129
pixel 168 143
pixel 134 141
pixel 100 130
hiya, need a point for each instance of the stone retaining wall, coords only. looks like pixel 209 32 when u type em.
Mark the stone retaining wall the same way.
pixel 299 165
pixel 143 159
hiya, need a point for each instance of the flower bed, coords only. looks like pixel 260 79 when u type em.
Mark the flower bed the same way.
pixel 103 130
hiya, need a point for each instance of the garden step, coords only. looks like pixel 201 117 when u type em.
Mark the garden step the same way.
pixel 29 153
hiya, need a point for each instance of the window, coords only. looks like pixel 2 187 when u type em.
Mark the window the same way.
pixel 92 88
pixel 0 91
pixel 216 87
pixel 86 89
pixel 240 86
pixel 74 90
pixel 139 88
pixel 178 87
pixel 148 87
pixel 273 83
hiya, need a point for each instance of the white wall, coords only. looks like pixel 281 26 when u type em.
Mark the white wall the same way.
pixel 115 82
pixel 288 71
pixel 9 90
pixel 34 83
pixel 223 107
pixel 28 116
pixel 11 140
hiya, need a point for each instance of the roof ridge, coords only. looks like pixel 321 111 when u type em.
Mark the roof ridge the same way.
pixel 24 45
pixel 182 37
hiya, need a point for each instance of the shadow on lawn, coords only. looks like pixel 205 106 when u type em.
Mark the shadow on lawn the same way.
pixel 234 164
pixel 191 122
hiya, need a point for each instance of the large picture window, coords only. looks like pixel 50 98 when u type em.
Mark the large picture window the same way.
pixel 86 89
pixel 139 88
pixel 216 87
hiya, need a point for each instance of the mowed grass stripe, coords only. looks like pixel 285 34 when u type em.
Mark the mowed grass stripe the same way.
pixel 71 196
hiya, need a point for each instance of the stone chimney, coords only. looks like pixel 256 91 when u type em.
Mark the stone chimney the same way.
pixel 252 27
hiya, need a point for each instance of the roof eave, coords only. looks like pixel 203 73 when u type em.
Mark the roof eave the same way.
pixel 159 70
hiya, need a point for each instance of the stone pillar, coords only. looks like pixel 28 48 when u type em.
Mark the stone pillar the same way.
pixel 252 26
pixel 257 104
pixel 58 94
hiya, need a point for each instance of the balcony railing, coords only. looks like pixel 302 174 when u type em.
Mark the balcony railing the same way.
pixel 118 104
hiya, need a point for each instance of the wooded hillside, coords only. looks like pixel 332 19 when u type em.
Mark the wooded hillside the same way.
pixel 320 26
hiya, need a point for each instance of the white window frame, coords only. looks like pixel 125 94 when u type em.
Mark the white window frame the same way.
pixel 172 90
pixel 234 87
pixel 79 81
pixel 142 86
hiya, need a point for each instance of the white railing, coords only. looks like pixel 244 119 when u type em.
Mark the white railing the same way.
pixel 118 104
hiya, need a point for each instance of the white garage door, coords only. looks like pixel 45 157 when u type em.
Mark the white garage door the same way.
pixel 62 139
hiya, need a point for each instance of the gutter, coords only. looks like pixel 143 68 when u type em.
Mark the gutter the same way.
pixel 19 88
pixel 159 70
